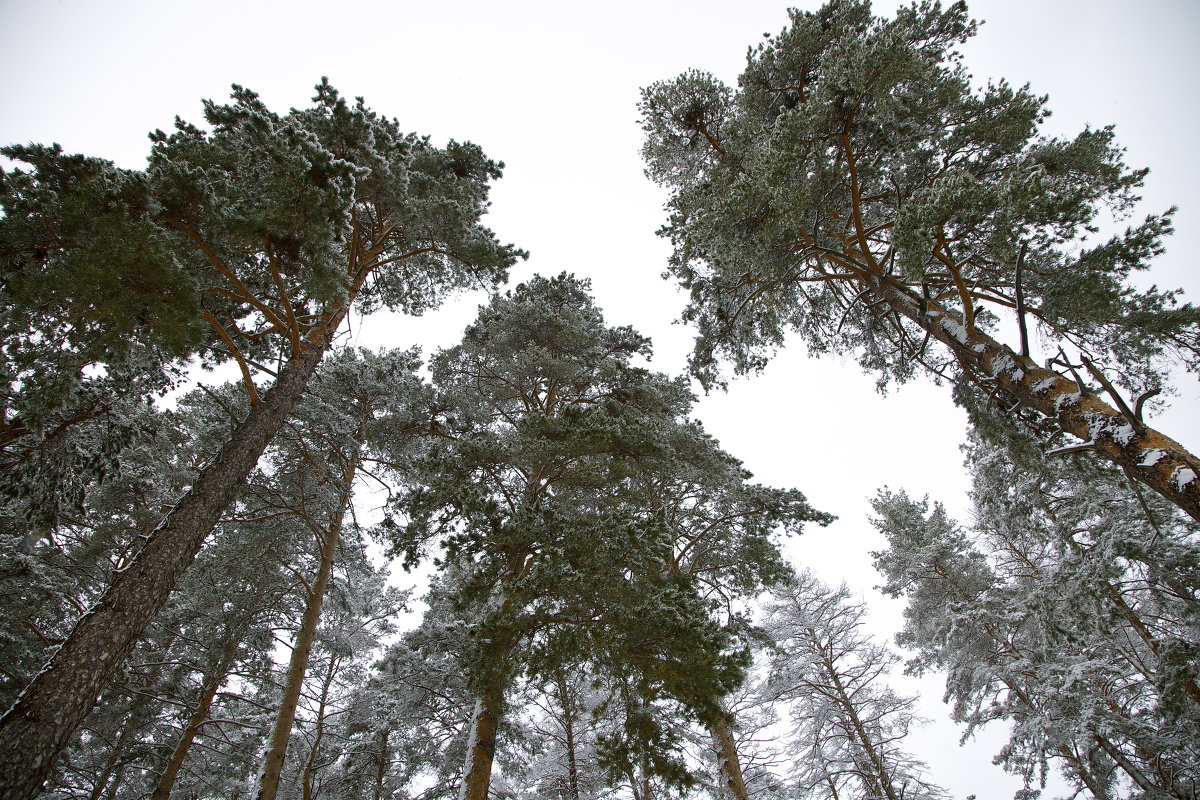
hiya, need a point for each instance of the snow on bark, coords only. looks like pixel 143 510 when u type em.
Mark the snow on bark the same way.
pixel 481 750
pixel 1172 471
pixel 728 764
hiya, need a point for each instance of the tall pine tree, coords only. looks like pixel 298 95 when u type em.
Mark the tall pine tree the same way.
pixel 252 241
pixel 856 189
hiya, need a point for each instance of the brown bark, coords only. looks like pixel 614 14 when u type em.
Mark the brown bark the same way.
pixel 268 784
pixel 310 764
pixel 212 682
pixel 381 769
pixel 481 747
pixel 1082 769
pixel 875 775
pixel 1148 456
pixel 112 769
pixel 566 701
pixel 137 717
pixel 34 732
pixel 729 766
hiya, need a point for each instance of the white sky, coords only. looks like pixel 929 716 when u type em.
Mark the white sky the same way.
pixel 551 89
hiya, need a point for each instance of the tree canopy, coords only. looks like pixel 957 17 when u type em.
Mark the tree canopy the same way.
pixel 198 596
pixel 251 242
pixel 857 189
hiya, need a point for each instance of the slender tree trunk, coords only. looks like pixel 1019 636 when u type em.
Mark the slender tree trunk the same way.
pixel 568 707
pixel 1081 767
pixel 310 764
pixel 381 771
pixel 1094 783
pixel 489 692
pixel 34 732
pixel 875 774
pixel 1135 773
pixel 115 764
pixel 1150 457
pixel 137 716
pixel 268 784
pixel 199 716
pixel 115 786
pixel 481 747
pixel 729 767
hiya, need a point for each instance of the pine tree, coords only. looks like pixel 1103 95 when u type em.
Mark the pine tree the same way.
pixel 311 486
pixel 561 759
pixel 724 535
pixel 537 497
pixel 253 241
pixel 855 188
pixel 50 573
pixel 1052 623
pixel 402 721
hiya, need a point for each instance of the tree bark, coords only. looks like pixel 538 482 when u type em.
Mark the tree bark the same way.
pixel 729 767
pixel 381 771
pixel 1148 456
pixel 34 732
pixel 568 707
pixel 268 784
pixel 310 764
pixel 212 682
pixel 115 763
pixel 481 747
pixel 875 773
pixel 1084 771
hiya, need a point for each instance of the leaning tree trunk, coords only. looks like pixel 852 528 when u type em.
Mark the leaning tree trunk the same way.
pixel 729 767
pixel 310 764
pixel 382 765
pixel 268 784
pixel 199 716
pixel 34 732
pixel 1082 769
pixel 139 714
pixel 1143 453
pixel 489 692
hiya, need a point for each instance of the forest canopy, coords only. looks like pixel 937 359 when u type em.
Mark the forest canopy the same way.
pixel 519 564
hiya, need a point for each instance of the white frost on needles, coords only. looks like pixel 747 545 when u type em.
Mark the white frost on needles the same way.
pixel 1124 433
pixel 954 328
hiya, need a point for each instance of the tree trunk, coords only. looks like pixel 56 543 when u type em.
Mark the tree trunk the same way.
pixel 114 765
pixel 481 747
pixel 875 774
pixel 298 665
pixel 1155 460
pixel 234 634
pixel 34 732
pixel 729 767
pixel 310 765
pixel 1081 767
pixel 567 703
pixel 138 716
pixel 1094 783
pixel 199 716
pixel 381 771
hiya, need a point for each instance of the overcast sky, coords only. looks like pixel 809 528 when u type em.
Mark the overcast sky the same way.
pixel 551 89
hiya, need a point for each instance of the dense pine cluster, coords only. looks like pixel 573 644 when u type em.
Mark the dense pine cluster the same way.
pixel 199 597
